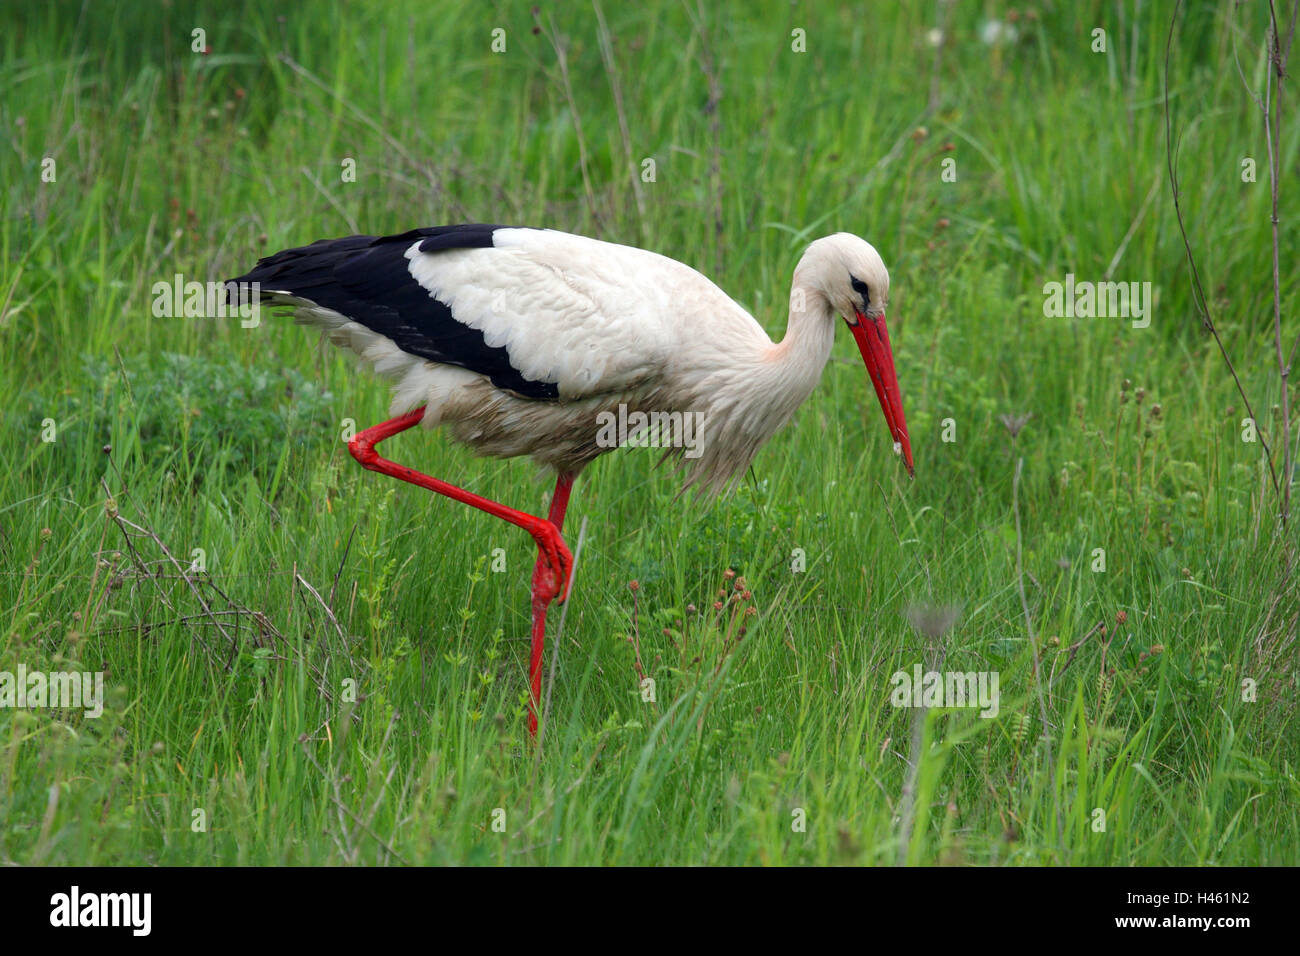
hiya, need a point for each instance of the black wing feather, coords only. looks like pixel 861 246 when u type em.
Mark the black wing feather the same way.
pixel 368 279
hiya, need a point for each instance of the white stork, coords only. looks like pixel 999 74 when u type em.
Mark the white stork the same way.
pixel 522 341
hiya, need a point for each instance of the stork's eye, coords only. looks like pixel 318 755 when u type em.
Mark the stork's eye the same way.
pixel 861 289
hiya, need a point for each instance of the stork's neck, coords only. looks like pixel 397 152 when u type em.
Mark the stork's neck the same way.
pixel 809 333
pixel 757 391
pixel 791 368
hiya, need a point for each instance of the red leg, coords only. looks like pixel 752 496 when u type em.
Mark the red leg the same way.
pixel 542 597
pixel 554 562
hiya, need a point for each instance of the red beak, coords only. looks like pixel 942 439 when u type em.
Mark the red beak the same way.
pixel 873 343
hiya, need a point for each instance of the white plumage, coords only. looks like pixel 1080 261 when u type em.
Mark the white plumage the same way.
pixel 610 325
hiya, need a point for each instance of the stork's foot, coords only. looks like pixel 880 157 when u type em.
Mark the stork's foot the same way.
pixel 552 575
pixel 554 569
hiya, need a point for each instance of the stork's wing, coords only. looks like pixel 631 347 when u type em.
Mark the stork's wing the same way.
pixel 544 314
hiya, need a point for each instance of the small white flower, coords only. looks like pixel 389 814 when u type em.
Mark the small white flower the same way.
pixel 996 33
pixel 934 37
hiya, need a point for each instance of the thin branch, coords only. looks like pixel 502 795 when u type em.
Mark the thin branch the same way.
pixel 1272 136
pixel 559 633
pixel 1199 298
pixel 342 561
pixel 328 611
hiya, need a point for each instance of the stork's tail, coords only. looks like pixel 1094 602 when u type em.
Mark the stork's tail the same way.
pixel 293 272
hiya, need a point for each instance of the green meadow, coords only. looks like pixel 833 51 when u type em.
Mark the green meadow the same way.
pixel 307 663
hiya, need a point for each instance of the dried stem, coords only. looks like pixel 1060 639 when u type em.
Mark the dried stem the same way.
pixel 1033 645
pixel 606 42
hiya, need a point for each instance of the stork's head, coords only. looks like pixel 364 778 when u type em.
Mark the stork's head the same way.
pixel 853 278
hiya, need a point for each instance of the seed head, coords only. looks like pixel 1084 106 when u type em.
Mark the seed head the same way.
pixel 1014 423
pixel 932 620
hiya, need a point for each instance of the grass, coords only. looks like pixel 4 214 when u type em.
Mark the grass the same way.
pixel 331 668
